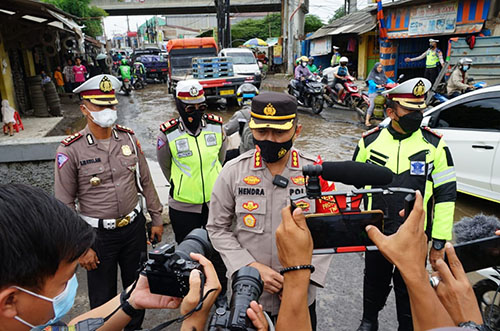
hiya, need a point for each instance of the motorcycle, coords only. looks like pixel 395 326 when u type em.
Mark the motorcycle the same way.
pixel 139 82
pixel 351 97
pixel 126 86
pixel 312 95
pixel 440 95
pixel 488 298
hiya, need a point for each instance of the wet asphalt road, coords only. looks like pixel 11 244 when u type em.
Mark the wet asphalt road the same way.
pixel 334 135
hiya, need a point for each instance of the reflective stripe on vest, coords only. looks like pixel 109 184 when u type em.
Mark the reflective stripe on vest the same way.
pixel 195 163
pixel 432 59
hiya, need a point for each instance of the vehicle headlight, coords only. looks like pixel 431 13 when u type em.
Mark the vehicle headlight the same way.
pixel 257 73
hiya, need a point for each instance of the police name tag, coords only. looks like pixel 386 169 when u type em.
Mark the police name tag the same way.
pixel 417 168
pixel 182 145
pixel 210 139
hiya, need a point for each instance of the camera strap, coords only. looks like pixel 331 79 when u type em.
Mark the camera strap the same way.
pixel 180 319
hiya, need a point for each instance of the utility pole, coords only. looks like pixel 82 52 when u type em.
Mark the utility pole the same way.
pixel 222 8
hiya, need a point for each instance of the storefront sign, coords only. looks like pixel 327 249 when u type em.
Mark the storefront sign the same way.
pixel 435 18
pixel 321 46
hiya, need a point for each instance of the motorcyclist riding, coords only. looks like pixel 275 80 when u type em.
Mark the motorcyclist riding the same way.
pixel 457 83
pixel 340 73
pixel 311 66
pixel 301 74
pixel 139 70
pixel 124 70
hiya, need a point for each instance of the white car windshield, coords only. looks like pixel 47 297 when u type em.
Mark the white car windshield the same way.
pixel 242 58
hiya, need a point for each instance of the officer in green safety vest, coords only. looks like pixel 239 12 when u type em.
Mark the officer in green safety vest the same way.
pixel 190 151
pixel 420 160
pixel 433 56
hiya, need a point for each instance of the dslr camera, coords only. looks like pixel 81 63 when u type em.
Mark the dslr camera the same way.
pixel 168 267
pixel 246 286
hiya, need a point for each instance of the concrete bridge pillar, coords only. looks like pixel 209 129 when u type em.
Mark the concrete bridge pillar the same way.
pixel 293 18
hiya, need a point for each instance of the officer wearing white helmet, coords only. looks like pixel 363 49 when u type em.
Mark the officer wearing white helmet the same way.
pixel 101 169
pixel 340 73
pixel 433 56
pixel 457 83
pixel 419 160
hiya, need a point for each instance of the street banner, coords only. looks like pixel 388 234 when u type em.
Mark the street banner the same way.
pixel 431 19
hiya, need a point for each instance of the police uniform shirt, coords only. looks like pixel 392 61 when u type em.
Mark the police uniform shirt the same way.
pixel 164 156
pixel 102 178
pixel 244 194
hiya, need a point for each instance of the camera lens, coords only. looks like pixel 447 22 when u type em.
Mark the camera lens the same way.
pixel 247 286
pixel 195 242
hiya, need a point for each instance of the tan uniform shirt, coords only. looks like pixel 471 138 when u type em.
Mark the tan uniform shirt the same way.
pixel 164 156
pixel 116 195
pixel 244 194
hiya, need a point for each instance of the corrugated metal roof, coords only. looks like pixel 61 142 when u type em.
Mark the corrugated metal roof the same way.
pixel 358 23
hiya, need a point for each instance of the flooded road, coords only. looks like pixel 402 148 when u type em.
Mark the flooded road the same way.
pixel 334 135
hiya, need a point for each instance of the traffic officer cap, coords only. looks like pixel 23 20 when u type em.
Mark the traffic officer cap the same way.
pixel 100 90
pixel 335 47
pixel 410 94
pixel 273 110
pixel 433 40
pixel 190 91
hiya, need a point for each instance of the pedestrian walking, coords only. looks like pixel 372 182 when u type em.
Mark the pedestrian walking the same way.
pixel 69 77
pixel 79 71
pixel 58 77
pixel 102 169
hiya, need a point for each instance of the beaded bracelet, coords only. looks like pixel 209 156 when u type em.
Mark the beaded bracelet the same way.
pixel 299 267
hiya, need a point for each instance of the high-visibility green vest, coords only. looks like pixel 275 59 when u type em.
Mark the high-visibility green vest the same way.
pixel 421 162
pixel 195 162
pixel 432 59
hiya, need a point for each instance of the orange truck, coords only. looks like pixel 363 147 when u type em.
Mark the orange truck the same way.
pixel 180 65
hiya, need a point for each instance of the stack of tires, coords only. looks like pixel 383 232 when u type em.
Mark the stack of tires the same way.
pixel 52 99
pixel 37 97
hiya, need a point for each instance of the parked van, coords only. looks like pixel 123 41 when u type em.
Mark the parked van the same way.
pixel 244 63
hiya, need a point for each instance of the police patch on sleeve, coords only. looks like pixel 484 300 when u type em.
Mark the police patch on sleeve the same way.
pixel 210 139
pixel 160 143
pixel 417 168
pixel 61 159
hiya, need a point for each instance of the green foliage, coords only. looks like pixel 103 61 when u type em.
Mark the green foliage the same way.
pixel 269 26
pixel 312 23
pixel 91 15
pixel 338 14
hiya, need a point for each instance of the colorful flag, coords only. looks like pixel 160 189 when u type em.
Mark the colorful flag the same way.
pixel 381 21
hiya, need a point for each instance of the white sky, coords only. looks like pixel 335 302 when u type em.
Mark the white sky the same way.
pixel 323 8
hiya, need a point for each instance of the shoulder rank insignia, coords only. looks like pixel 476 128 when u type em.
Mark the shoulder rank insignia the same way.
pixel 124 129
pixel 168 125
pixel 369 132
pixel 215 118
pixel 295 159
pixel 257 159
pixel 71 139
pixel 426 128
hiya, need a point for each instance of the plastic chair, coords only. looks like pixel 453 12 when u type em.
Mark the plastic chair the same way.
pixel 19 123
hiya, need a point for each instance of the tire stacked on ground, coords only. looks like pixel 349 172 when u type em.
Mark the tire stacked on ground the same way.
pixel 37 98
pixel 52 99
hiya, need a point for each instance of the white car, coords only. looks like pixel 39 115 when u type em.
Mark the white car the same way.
pixel 470 125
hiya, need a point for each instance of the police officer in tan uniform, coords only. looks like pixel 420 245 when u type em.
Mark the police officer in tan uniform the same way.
pixel 250 192
pixel 103 169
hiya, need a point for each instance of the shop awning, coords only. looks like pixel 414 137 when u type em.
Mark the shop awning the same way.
pixel 356 23
pixel 406 23
pixel 271 41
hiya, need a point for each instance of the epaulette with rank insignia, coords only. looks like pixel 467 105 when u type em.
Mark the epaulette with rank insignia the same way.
pixel 71 139
pixel 215 118
pixel 124 129
pixel 426 128
pixel 169 125
pixel 369 132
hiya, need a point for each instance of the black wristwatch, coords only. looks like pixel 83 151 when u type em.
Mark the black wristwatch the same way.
pixel 127 307
pixel 438 244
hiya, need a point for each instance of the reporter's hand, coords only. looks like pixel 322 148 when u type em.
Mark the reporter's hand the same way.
pixel 293 239
pixel 407 248
pixel 256 314
pixel 89 260
pixel 435 255
pixel 273 280
pixel 156 232
pixel 142 298
pixel 211 282
pixel 497 232
pixel 454 290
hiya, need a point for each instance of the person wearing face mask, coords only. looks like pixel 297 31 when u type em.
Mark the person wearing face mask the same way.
pixel 104 169
pixel 302 73
pixel 457 83
pixel 433 58
pixel 420 160
pixel 251 190
pixel 41 242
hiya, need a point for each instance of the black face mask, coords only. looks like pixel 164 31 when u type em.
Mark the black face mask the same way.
pixel 192 120
pixel 271 151
pixel 411 121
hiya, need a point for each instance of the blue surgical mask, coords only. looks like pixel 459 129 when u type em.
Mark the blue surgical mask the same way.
pixel 465 68
pixel 61 304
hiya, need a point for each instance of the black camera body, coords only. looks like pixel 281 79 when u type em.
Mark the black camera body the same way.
pixel 168 268
pixel 246 286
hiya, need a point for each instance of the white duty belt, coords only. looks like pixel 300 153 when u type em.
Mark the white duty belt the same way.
pixel 112 223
